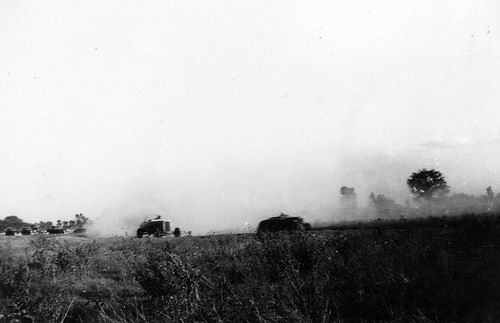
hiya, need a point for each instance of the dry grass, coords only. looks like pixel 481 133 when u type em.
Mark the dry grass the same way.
pixel 429 271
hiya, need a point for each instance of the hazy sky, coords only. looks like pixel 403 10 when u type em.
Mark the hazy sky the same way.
pixel 214 113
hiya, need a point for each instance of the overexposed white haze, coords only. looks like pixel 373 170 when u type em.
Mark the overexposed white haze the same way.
pixel 220 113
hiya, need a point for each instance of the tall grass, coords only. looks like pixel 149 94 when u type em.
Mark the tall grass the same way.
pixel 430 270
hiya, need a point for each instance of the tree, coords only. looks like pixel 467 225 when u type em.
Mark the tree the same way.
pixel 81 219
pixel 13 222
pixel 348 203
pixel 428 184
pixel 12 218
pixel 385 207
pixel 489 199
pixel 489 193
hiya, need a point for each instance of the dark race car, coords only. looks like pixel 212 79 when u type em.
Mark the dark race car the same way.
pixel 283 223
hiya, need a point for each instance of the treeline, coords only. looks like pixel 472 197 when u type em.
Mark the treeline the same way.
pixel 431 196
pixel 381 206
pixel 78 221
pixel 15 223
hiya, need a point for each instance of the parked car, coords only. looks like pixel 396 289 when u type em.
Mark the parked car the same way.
pixel 283 222
pixel 55 230
pixel 10 232
pixel 157 227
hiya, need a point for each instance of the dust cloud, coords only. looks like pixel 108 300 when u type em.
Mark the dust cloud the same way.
pixel 234 198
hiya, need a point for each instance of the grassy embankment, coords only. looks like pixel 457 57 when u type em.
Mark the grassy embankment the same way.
pixel 423 270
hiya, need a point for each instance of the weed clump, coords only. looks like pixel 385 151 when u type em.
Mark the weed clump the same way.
pixel 170 284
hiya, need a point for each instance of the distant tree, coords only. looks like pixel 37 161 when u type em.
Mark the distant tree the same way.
pixel 461 203
pixel 385 207
pixel 12 218
pixel 41 225
pixel 348 200
pixel 489 193
pixel 13 222
pixel 489 199
pixel 59 223
pixel 428 184
pixel 81 219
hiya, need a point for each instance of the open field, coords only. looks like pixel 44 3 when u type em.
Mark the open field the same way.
pixel 427 270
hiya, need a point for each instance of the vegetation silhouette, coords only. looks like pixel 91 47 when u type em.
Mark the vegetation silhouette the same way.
pixel 428 184
pixel 385 207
